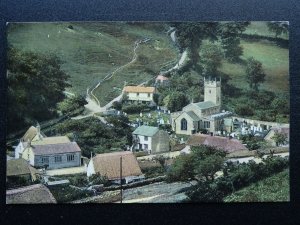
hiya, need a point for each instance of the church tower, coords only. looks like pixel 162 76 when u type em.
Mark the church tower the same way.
pixel 212 90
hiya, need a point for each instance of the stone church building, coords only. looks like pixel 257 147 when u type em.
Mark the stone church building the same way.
pixel 202 115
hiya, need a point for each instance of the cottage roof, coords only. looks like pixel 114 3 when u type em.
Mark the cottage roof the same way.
pixel 51 140
pixel 17 167
pixel 223 143
pixel 204 105
pixel 283 130
pixel 193 115
pixel 108 164
pixel 146 131
pixel 33 194
pixel 139 89
pixel 61 148
pixel 30 134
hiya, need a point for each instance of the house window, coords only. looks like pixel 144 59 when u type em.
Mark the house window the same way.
pixel 57 159
pixel 70 157
pixel 183 124
pixel 45 159
pixel 137 94
pixel 206 124
pixel 148 95
pixel 146 138
pixel 145 146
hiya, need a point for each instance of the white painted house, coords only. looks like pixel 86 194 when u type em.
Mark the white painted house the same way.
pixel 150 139
pixel 139 94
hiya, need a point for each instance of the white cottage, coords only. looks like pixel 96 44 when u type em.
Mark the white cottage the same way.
pixel 139 94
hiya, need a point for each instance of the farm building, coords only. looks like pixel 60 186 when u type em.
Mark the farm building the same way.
pixel 139 94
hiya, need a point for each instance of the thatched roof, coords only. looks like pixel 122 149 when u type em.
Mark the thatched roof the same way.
pixel 33 194
pixel 16 167
pixel 61 148
pixel 30 134
pixel 108 164
pixel 51 140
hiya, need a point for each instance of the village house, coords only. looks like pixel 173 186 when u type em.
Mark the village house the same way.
pixel 150 139
pixel 281 130
pixel 226 144
pixel 161 80
pixel 33 194
pixel 53 156
pixel 108 165
pixel 20 168
pixel 31 135
pixel 34 136
pixel 139 94
pixel 204 115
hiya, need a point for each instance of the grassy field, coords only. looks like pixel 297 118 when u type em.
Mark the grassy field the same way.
pixel 272 189
pixel 275 61
pixel 92 50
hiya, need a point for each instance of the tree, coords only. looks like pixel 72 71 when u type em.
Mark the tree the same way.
pixel 278 28
pixel 209 166
pixel 210 59
pixel 177 101
pixel 161 160
pixel 279 138
pixel 280 105
pixel 69 105
pixel 35 85
pixel 230 41
pixel 182 169
pixel 254 73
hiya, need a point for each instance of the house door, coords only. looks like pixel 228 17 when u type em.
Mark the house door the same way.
pixel 140 146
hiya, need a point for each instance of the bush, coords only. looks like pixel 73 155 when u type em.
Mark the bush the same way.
pixel 131 109
pixel 205 191
pixel 96 179
pixel 151 172
pixel 64 194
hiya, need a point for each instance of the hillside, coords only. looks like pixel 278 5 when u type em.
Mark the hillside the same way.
pixel 90 51
pixel 272 189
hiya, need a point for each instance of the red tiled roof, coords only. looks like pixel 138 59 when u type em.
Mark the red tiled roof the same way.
pixel 223 143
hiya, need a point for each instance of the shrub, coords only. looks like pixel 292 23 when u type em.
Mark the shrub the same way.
pixel 131 109
pixel 98 179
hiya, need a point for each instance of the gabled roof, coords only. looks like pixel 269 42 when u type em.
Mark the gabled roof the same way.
pixel 223 143
pixel 204 105
pixel 17 167
pixel 139 89
pixel 30 134
pixel 193 116
pixel 51 140
pixel 108 164
pixel 146 131
pixel 70 147
pixel 33 194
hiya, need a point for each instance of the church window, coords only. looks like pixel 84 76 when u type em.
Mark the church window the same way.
pixel 183 124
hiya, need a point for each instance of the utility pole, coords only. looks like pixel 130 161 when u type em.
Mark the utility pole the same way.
pixel 121 179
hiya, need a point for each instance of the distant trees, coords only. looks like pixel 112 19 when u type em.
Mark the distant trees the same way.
pixel 210 58
pixel 35 85
pixel 177 101
pixel 278 28
pixel 230 40
pixel 69 105
pixel 254 73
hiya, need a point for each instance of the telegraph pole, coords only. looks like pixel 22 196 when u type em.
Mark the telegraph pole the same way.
pixel 121 179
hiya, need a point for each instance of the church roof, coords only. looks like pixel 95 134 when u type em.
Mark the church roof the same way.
pixel 193 115
pixel 146 130
pixel 204 105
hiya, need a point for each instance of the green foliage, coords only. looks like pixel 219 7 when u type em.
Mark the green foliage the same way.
pixel 210 58
pixel 279 138
pixel 151 172
pixel 65 193
pixel 254 73
pixel 278 28
pixel 133 108
pixel 182 169
pixel 177 101
pixel 117 105
pixel 272 189
pixel 94 136
pixel 252 141
pixel 35 85
pixel 69 105
pixel 244 110
pixel 97 179
pixel 205 191
pixel 161 160
pixel 230 40
pixel 18 181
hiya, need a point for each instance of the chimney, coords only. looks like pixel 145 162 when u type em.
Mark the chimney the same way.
pixel 38 128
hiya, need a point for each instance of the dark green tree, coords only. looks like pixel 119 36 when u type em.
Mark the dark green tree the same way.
pixel 278 28
pixel 35 85
pixel 210 59
pixel 177 101
pixel 230 40
pixel 254 73
pixel 69 105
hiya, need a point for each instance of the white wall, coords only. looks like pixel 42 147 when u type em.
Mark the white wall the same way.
pixel 90 168
pixel 19 149
pixel 140 97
